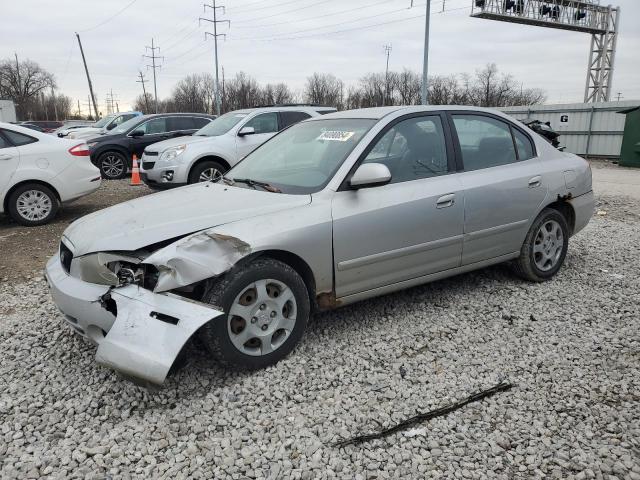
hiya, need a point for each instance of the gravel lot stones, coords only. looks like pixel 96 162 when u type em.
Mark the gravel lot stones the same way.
pixel 571 346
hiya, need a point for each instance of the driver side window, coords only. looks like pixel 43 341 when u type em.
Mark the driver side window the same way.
pixel 264 123
pixel 412 149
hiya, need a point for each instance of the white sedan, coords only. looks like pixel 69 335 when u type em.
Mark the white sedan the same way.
pixel 38 172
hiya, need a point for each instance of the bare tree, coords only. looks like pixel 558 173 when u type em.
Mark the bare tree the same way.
pixel 324 89
pixel 24 83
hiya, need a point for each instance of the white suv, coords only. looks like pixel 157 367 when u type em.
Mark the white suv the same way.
pixel 218 146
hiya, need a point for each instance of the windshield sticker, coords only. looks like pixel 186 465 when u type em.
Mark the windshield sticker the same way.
pixel 335 136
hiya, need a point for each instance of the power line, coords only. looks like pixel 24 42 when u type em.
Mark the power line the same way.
pixel 282 13
pixel 286 22
pixel 265 7
pixel 324 26
pixel 110 18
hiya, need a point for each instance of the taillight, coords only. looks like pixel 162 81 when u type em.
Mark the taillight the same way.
pixel 80 150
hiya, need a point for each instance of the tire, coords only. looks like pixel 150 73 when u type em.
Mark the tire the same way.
pixel 543 251
pixel 33 204
pixel 113 165
pixel 199 172
pixel 223 336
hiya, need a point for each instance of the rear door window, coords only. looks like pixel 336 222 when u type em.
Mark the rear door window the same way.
pixel 154 126
pixel 18 139
pixel 484 141
pixel 524 145
pixel 289 118
pixel 180 123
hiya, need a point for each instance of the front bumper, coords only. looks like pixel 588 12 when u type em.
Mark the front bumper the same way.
pixel 139 333
pixel 155 175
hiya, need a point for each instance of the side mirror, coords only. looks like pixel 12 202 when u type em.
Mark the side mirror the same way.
pixel 246 131
pixel 111 126
pixel 370 175
pixel 137 133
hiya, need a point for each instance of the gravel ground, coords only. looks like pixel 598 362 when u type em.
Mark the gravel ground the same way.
pixel 571 347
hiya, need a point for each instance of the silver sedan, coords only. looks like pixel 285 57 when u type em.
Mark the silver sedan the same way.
pixel 332 210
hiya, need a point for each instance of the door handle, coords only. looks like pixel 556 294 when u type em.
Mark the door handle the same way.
pixel 6 157
pixel 446 200
pixel 535 181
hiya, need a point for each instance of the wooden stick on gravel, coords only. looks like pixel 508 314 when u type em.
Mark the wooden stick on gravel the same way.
pixel 421 417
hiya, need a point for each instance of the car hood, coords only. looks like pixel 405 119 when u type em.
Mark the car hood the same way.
pixel 175 213
pixel 172 142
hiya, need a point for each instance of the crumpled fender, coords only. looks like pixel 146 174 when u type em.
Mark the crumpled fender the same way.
pixel 149 331
pixel 196 257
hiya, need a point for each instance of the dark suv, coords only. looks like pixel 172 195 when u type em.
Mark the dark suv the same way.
pixel 113 151
pixel 46 125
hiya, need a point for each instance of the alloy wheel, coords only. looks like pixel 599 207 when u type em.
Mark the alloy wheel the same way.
pixel 112 166
pixel 548 245
pixel 209 175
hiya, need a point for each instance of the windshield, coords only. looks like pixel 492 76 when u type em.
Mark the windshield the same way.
pixel 124 127
pixel 221 125
pixel 303 158
pixel 104 121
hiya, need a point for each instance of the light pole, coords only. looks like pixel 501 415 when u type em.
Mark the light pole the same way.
pixel 425 64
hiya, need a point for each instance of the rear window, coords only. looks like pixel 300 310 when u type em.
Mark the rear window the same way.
pixel 19 139
pixel 3 142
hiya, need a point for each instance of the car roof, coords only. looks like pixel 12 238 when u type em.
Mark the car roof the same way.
pixel 276 108
pixel 181 114
pixel 377 113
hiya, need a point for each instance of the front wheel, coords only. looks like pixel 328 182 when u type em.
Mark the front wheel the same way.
pixel 267 308
pixel 545 247
pixel 113 165
pixel 207 171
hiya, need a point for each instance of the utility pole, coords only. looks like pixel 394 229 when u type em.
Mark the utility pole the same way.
pixel 93 97
pixel 425 62
pixel 79 111
pixel 387 49
pixel 223 97
pixel 619 95
pixel 53 99
pixel 144 90
pixel 88 104
pixel 153 65
pixel 215 36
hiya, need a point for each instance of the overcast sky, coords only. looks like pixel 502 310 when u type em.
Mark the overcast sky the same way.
pixel 285 40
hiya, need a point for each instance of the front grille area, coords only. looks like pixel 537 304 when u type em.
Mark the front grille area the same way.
pixel 150 154
pixel 148 165
pixel 65 257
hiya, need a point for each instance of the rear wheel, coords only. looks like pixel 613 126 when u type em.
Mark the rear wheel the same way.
pixel 113 165
pixel 206 171
pixel 33 204
pixel 267 308
pixel 545 247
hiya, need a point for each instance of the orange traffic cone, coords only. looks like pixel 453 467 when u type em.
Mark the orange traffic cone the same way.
pixel 135 172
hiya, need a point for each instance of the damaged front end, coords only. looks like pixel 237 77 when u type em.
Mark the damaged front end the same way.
pixel 122 301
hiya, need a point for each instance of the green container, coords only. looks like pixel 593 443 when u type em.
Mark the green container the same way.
pixel 630 153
